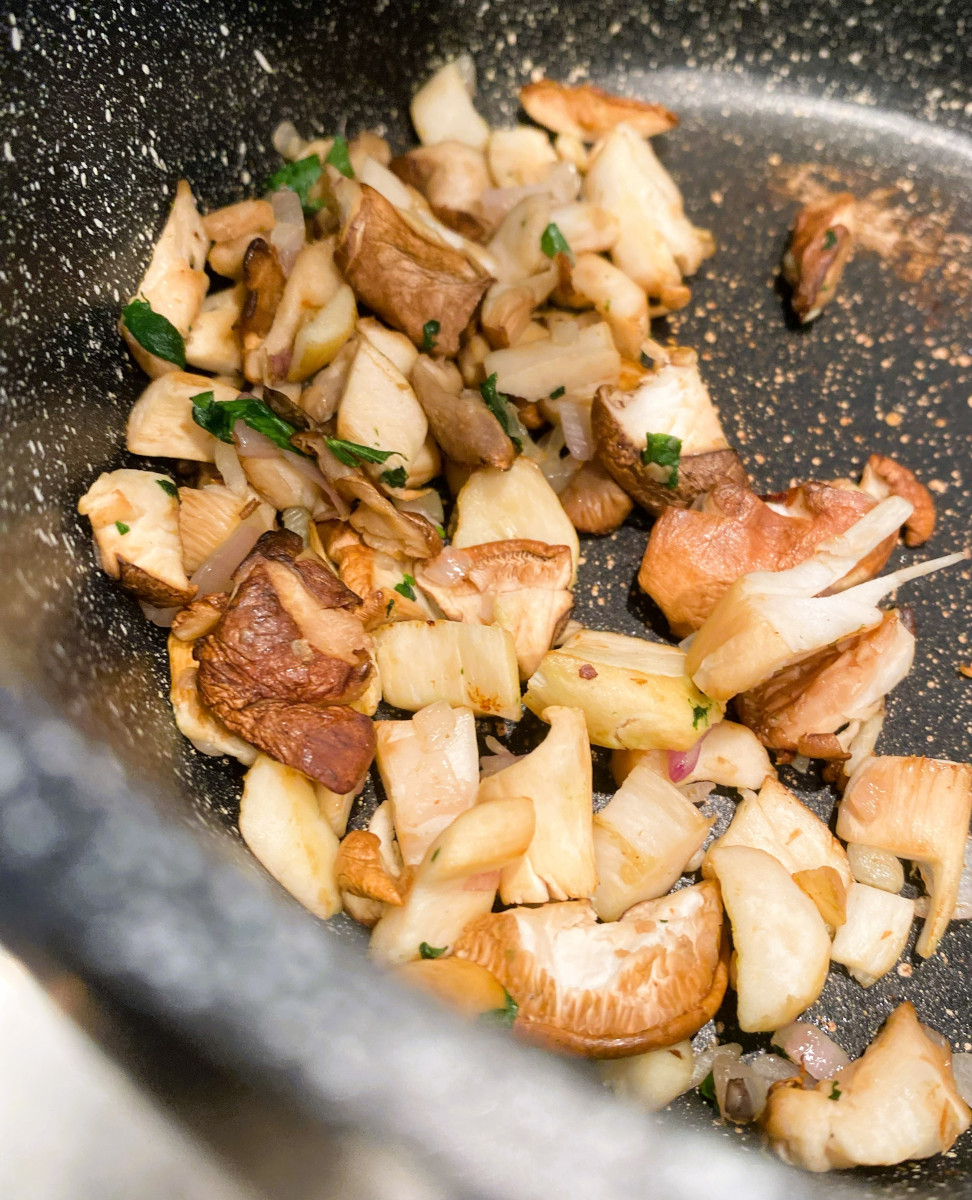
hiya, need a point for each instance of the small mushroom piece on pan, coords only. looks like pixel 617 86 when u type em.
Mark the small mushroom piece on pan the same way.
pixel 452 176
pixel 593 501
pixel 464 427
pixel 586 112
pixel 883 476
pixel 606 991
pixel 820 245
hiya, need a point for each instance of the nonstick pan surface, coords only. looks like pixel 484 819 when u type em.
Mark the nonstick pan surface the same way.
pixel 107 107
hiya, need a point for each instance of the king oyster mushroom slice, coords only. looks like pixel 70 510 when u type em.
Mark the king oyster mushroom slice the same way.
pixel 213 343
pixel 160 422
pixel 918 809
pixel 285 661
pixel 520 156
pixel 442 109
pixel 176 281
pixel 451 176
pixel 657 244
pixel 461 423
pixel 898 1101
pixel 802 707
pixel 727 755
pixel 134 517
pixel 820 246
pixel 648 980
pixel 586 112
pixel 408 278
pixel 671 401
pixel 693 555
pixel 519 584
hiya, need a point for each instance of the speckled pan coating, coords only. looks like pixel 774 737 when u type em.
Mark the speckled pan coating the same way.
pixel 106 106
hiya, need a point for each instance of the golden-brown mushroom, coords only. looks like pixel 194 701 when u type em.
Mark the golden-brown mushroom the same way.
pixel 361 870
pixel 606 991
pixel 593 501
pixel 883 477
pixel 451 176
pixel 820 245
pixel 465 429
pixel 586 112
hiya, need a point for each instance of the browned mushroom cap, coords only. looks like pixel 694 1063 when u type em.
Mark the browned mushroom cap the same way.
pixel 694 555
pixel 264 280
pixel 451 176
pixel 802 707
pixel 885 477
pixel 407 278
pixel 285 658
pixel 465 429
pixel 200 617
pixel 361 869
pixel 358 565
pixel 587 112
pixel 606 991
pixel 821 244
pixel 594 502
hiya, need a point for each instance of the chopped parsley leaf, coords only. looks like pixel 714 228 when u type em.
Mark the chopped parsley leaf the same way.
pixel 707 1088
pixel 154 333
pixel 389 606
pixel 835 1092
pixel 666 451
pixel 558 392
pixel 830 240
pixel 168 487
pixel 352 454
pixel 439 530
pixel 406 588
pixel 122 527
pixel 428 951
pixel 219 416
pixel 338 156
pixel 430 332
pixel 300 177
pixel 553 242
pixel 499 406
pixel 436 854
pixel 395 478
pixel 700 712
pixel 502 1016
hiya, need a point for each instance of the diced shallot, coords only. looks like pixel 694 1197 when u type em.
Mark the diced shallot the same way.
pixel 681 763
pixel 216 573
pixel 250 443
pixel 228 464
pixel 498 759
pixel 163 617
pixel 448 567
pixel 806 1044
pixel 289 231
pixel 576 421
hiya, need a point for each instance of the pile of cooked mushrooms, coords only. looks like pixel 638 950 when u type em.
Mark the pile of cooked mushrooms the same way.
pixel 471 319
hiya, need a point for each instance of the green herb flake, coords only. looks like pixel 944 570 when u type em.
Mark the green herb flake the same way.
pixel 168 487
pixel 352 454
pixel 427 951
pixel 555 395
pixel 122 527
pixel 502 1016
pixel 430 334
pixel 665 451
pixel 397 477
pixel 389 606
pixel 553 242
pixel 338 156
pixel 707 1088
pixel 406 588
pixel 154 333
pixel 500 407
pixel 439 530
pixel 219 416
pixel 830 240
pixel 645 361
pixel 700 712
pixel 300 177
pixel 835 1092
pixel 436 853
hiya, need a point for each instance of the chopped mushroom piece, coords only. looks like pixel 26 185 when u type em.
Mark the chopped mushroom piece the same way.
pixel 208 516
pixel 452 177
pixel 519 157
pixel 408 278
pixel 899 1101
pixel 160 423
pixel 556 776
pixel 781 948
pixel 361 869
pixel 586 112
pixel 820 245
pixel 727 755
pixel 377 578
pixel 395 346
pixel 652 1080
pixel 466 430
pixel 533 369
pixel 606 991
pixel 587 228
pixel 193 720
pixel 884 477
pixel 264 281
pixel 366 910
pixel 442 109
pixel 874 933
pixel 213 343
pixel 430 772
pixel 286 659
pixel 619 300
pixel 670 408
pixel 464 986
pixel 176 281
pixel 235 220
pixel 456 881
pixel 803 707
pixel 134 517
pixel 919 809
pixel 524 586
pixel 593 501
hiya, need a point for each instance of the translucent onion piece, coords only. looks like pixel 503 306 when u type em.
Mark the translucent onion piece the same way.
pixel 216 573
pixel 576 421
pixel 428 505
pixel 806 1044
pixel 163 617
pixel 962 1070
pixel 228 464
pixel 681 763
pixel 448 567
pixel 289 233
pixel 498 760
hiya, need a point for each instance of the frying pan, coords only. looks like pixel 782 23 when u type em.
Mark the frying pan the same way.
pixel 118 850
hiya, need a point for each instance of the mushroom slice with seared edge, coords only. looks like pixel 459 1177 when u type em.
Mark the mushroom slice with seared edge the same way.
pixel 171 292
pixel 464 427
pixel 452 176
pixel 663 442
pixel 586 112
pixel 644 838
pixel 593 501
pixel 559 864
pixel 442 109
pixel 766 621
pixel 781 948
pixel 918 809
pixel 405 276
pixel 803 707
pixel 580 361
pixel 286 659
pixel 874 933
pixel 134 516
pixel 898 1101
pixel 192 719
pixel 160 422
pixel 361 869
pixel 606 991
pixel 456 881
pixel 693 555
pixel 635 694
pixel 883 477
pixel 820 246
pixel 213 343
pixel 429 769
pixel 522 585
pixel 464 986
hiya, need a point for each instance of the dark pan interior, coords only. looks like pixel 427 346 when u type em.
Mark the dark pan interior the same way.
pixel 107 108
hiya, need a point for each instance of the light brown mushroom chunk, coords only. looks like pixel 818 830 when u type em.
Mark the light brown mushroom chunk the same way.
pixel 883 477
pixel 466 430
pixel 361 870
pixel 594 502
pixel 264 280
pixel 193 720
pixel 820 246
pixel 236 220
pixel 607 991
pixel 451 176
pixel 407 278
pixel 586 112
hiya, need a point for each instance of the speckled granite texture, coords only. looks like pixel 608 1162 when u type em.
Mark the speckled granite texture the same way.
pixel 106 106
